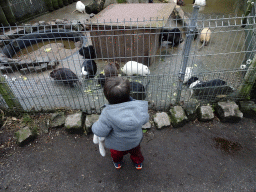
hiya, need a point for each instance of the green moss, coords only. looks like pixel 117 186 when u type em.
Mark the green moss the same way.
pixel 34 130
pixel 26 119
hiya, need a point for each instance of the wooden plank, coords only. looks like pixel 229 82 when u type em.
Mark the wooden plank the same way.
pixel 142 12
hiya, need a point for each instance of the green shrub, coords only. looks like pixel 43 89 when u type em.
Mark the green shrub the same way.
pixel 65 2
pixel 60 3
pixel 55 4
pixel 49 5
pixel 121 1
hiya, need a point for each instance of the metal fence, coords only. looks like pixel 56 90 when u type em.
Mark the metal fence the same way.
pixel 26 73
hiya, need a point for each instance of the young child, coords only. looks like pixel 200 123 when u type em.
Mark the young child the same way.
pixel 121 122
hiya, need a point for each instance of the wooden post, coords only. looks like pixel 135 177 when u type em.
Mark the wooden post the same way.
pixel 8 95
pixel 249 80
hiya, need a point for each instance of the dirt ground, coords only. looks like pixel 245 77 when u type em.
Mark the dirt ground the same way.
pixel 201 156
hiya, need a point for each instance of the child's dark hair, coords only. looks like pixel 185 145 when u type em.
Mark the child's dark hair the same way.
pixel 117 90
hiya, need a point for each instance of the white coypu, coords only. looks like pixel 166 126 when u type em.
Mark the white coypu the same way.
pixel 135 68
pixel 205 36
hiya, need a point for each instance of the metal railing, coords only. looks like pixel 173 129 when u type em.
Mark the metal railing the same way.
pixel 27 72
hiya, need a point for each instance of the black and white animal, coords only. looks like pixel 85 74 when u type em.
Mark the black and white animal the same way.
pixel 208 89
pixel 89 69
pixel 135 68
pixel 65 76
pixel 173 36
pixel 87 52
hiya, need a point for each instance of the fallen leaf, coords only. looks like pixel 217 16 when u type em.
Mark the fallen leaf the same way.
pixel 48 49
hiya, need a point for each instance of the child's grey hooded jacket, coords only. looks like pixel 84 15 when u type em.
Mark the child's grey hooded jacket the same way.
pixel 121 124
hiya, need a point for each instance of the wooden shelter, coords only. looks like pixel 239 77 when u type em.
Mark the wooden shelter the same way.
pixel 129 31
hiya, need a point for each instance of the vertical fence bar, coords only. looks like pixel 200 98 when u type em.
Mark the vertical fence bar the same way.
pixel 250 44
pixel 186 50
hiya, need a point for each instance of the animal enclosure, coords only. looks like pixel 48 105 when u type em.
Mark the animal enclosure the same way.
pixel 26 83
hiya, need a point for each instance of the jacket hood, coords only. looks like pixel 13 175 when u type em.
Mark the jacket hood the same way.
pixel 128 115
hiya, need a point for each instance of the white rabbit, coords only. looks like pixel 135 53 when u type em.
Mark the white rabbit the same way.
pixel 100 141
pixel 135 68
pixel 80 7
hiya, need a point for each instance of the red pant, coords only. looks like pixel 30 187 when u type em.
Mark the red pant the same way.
pixel 136 155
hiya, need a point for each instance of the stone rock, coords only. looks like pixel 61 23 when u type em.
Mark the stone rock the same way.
pixel 89 120
pixel 57 120
pixel 3 57
pixel 59 21
pixel 228 112
pixel 35 26
pixel 77 26
pixel 248 108
pixel 205 113
pixel 162 120
pixel 146 126
pixel 42 22
pixel 191 109
pixel 178 116
pixel 74 123
pixel 24 135
pixel 52 64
